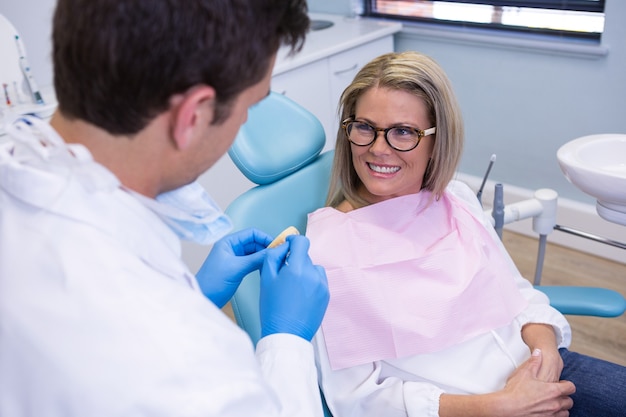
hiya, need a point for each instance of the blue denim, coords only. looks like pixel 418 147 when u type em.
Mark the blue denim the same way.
pixel 600 385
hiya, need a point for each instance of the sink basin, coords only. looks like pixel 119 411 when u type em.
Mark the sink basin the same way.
pixel 320 24
pixel 596 164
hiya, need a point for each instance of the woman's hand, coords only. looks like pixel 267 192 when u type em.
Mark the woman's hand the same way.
pixel 524 395
pixel 551 366
pixel 541 336
pixel 530 395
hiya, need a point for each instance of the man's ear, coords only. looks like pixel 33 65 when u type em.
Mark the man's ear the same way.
pixel 190 110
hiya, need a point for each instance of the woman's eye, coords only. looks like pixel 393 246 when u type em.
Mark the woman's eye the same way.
pixel 403 131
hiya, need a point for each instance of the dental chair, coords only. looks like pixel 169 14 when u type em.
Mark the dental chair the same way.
pixel 280 149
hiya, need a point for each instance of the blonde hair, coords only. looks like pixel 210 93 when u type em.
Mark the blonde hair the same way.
pixel 417 74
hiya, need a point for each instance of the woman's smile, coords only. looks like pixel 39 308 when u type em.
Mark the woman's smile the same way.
pixel 383 169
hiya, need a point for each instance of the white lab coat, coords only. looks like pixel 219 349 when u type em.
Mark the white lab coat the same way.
pixel 412 386
pixel 100 317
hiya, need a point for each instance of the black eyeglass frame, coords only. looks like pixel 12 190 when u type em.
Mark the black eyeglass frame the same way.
pixel 420 133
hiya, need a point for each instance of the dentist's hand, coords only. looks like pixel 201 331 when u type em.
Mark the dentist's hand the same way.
pixel 231 258
pixel 294 292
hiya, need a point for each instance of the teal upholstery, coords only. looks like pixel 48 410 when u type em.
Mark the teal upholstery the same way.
pixel 279 148
pixel 279 138
pixel 585 301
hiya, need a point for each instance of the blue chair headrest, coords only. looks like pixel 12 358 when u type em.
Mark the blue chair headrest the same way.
pixel 280 137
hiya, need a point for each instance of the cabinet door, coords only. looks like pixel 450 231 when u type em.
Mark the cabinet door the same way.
pixel 308 86
pixel 344 66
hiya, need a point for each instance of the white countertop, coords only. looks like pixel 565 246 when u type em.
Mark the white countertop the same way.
pixel 345 33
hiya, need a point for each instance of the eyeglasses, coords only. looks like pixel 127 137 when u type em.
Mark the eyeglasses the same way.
pixel 400 138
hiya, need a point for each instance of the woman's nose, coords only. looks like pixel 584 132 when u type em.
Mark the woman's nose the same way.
pixel 380 145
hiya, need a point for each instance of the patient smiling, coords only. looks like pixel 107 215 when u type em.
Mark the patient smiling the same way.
pixel 428 314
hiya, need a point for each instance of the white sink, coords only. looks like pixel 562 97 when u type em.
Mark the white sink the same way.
pixel 596 164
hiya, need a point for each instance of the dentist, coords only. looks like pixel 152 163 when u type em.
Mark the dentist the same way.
pixel 99 316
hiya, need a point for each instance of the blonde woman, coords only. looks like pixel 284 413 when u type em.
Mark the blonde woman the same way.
pixel 428 314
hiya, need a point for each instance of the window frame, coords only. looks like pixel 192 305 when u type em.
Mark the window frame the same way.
pixel 598 6
pixel 572 5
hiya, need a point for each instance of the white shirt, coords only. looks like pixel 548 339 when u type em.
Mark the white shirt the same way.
pixel 411 386
pixel 100 317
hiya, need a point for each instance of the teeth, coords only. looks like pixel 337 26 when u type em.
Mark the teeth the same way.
pixel 383 170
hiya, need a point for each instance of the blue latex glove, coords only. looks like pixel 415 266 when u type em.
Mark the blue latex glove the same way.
pixel 294 291
pixel 231 258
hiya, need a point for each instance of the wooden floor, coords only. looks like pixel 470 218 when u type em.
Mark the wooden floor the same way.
pixel 603 338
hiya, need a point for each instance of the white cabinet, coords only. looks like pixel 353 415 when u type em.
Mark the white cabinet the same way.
pixel 342 69
pixel 318 85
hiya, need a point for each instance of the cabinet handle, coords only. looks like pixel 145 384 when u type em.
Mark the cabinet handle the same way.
pixel 352 68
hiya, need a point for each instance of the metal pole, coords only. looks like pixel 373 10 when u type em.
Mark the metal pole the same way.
pixel 590 236
pixel 540 257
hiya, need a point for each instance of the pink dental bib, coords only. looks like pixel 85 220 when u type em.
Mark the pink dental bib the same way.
pixel 408 276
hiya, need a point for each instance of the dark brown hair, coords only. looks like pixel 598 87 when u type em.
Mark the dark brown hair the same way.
pixel 118 62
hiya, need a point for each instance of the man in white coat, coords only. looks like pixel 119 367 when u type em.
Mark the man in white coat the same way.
pixel 98 314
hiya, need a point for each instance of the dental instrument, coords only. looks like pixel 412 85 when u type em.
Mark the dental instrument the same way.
pixel 30 80
pixel 7 98
pixel 498 209
pixel 479 195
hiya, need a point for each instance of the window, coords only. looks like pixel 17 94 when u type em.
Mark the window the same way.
pixel 570 18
